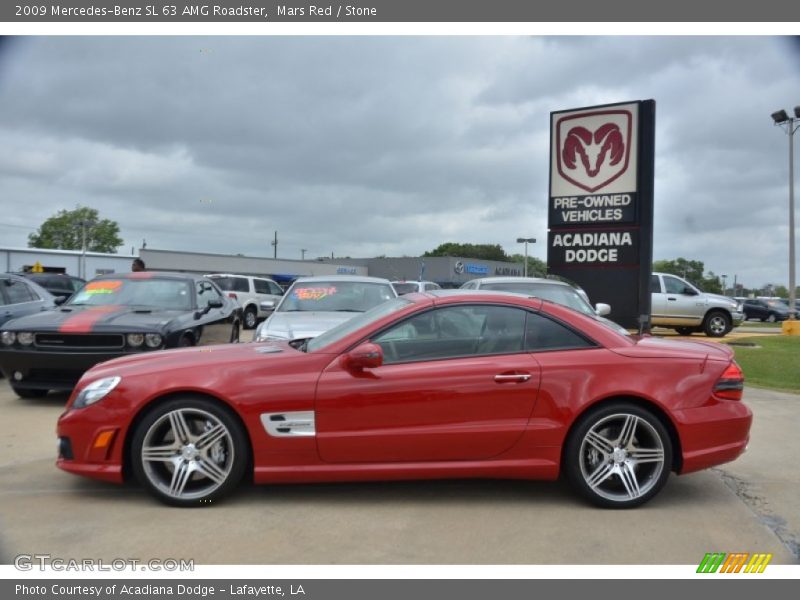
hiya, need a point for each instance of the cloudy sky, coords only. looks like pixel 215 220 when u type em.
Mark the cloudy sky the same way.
pixel 363 146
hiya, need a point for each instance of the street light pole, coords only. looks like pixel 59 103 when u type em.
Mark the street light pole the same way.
pixel 790 125
pixel 525 241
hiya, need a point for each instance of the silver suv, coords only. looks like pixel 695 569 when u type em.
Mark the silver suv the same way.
pixel 249 292
pixel 678 304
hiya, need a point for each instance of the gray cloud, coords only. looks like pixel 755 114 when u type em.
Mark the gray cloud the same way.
pixel 386 145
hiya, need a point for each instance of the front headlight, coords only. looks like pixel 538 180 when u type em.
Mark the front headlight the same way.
pixel 95 391
pixel 25 338
pixel 8 337
pixel 153 340
pixel 135 339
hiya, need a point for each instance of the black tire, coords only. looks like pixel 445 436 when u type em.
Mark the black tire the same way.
pixel 771 318
pixel 612 477
pixel 210 468
pixel 685 330
pixel 250 317
pixel 29 392
pixel 235 331
pixel 187 339
pixel 716 324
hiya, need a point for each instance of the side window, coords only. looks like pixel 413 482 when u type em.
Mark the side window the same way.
pixel 18 292
pixel 240 284
pixel 453 332
pixel 655 285
pixel 542 334
pixel 275 289
pixel 673 285
pixel 205 291
pixel 3 300
pixel 262 286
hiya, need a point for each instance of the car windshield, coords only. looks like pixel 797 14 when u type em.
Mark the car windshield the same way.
pixel 335 296
pixel 343 329
pixel 560 294
pixel 167 294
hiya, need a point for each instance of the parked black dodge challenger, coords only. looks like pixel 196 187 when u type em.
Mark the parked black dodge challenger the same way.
pixel 114 315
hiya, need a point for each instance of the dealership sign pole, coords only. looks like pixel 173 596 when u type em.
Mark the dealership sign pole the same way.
pixel 600 214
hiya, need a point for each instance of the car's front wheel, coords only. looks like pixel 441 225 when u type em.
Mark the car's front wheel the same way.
pixel 717 324
pixel 772 318
pixel 189 452
pixel 618 456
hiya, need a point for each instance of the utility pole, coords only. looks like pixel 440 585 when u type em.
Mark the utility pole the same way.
pixel 274 244
pixel 302 253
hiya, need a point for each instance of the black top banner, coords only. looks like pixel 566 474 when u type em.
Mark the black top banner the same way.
pixel 410 11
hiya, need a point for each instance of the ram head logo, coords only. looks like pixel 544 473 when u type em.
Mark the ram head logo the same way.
pixel 593 149
pixel 591 156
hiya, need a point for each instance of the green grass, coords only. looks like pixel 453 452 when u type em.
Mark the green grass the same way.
pixel 760 324
pixel 774 364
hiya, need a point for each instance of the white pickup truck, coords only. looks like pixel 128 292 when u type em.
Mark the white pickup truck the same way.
pixel 678 304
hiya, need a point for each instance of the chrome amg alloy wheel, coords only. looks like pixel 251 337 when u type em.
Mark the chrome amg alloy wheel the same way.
pixel 188 452
pixel 619 458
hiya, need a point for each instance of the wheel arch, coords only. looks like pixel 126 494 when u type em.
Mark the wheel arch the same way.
pixel 656 410
pixel 144 410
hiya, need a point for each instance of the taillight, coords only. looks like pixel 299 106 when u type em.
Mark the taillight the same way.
pixel 232 295
pixel 731 384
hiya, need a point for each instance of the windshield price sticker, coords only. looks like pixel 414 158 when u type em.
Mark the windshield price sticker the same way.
pixel 103 287
pixel 315 293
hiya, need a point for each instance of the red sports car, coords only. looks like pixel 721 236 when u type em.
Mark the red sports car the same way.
pixel 444 384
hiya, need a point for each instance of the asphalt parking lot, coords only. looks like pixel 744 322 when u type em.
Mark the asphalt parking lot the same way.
pixel 751 505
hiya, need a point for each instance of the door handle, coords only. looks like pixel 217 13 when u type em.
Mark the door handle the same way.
pixel 672 299
pixel 512 378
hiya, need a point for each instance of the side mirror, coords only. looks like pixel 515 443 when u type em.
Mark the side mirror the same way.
pixel 365 356
pixel 602 309
pixel 59 300
pixel 215 304
pixel 267 305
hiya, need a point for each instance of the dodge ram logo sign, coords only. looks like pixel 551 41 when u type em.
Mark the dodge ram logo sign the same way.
pixel 600 206
pixel 593 148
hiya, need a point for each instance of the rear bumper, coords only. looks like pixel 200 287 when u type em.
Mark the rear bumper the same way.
pixel 714 434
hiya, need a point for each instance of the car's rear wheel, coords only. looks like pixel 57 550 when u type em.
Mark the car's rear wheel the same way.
pixel 717 324
pixel 28 392
pixel 189 452
pixel 250 317
pixel 618 456
pixel 772 318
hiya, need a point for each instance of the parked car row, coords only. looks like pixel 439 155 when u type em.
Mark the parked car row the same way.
pixel 770 310
pixel 113 316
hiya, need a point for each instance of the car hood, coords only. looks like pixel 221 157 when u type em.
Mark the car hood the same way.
pixel 302 324
pixel 204 367
pixel 722 299
pixel 654 347
pixel 91 319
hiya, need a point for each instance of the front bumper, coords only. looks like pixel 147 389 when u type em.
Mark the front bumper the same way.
pixel 737 318
pixel 90 443
pixel 43 370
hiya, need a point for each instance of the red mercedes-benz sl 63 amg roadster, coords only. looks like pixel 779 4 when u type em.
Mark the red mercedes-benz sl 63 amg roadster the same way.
pixel 455 384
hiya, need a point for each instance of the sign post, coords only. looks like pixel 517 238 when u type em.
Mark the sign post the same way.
pixel 600 213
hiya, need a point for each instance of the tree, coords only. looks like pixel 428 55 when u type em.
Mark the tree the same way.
pixel 65 229
pixel 536 266
pixel 482 251
pixel 690 270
